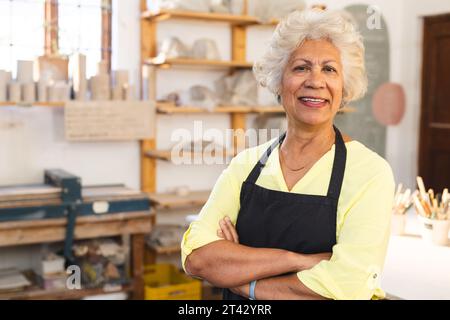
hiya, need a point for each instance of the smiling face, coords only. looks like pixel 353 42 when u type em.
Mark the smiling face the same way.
pixel 312 84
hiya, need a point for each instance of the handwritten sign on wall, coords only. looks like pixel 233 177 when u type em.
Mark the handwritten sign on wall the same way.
pixel 109 120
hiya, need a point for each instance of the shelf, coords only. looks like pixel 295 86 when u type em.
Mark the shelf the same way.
pixel 14 233
pixel 269 109
pixel 197 63
pixel 41 294
pixel 167 108
pixel 32 104
pixel 171 200
pixel 166 250
pixel 166 155
pixel 241 20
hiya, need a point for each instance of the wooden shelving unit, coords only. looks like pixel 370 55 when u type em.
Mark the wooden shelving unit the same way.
pixel 240 20
pixel 198 63
pixel 33 104
pixel 136 224
pixel 149 25
pixel 166 108
pixel 173 201
pixel 166 155
pixel 167 250
pixel 40 294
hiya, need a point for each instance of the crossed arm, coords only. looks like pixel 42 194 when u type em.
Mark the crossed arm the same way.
pixel 228 264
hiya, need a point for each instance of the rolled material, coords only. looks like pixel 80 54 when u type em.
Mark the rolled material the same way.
pixel 29 92
pixel 103 68
pixel 3 85
pixel 81 94
pixel 79 77
pixel 8 77
pixel 100 87
pixel 14 92
pixel 58 92
pixel 25 71
pixel 117 93
pixel 120 78
pixel 129 93
pixel 65 92
pixel 42 95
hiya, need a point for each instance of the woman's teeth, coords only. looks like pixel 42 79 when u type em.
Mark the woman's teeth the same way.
pixel 313 100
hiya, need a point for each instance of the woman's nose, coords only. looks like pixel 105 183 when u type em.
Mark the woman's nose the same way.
pixel 315 80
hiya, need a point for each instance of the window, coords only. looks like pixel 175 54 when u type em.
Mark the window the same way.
pixel 21 31
pixel 31 28
pixel 79 30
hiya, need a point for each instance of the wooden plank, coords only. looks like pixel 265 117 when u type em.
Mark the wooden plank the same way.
pixel 238 43
pixel 96 193
pixel 233 109
pixel 238 124
pixel 30 203
pixel 137 255
pixel 27 192
pixel 171 200
pixel 52 230
pixel 166 250
pixel 34 104
pixel 198 63
pixel 168 108
pixel 269 109
pixel 106 37
pixel 51 26
pixel 166 155
pixel 41 294
pixel 162 15
pixel 148 166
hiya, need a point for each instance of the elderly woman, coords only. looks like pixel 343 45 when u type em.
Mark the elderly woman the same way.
pixel 307 215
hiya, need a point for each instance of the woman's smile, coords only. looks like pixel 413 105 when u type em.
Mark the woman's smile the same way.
pixel 313 102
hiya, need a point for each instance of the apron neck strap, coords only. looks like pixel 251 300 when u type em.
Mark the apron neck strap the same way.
pixel 337 175
pixel 254 174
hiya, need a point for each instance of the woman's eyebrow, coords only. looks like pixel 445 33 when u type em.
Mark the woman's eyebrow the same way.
pixel 309 62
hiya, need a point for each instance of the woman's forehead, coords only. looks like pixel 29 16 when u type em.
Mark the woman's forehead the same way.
pixel 316 51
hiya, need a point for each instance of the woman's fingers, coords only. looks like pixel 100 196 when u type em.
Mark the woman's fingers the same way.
pixel 225 230
pixel 232 229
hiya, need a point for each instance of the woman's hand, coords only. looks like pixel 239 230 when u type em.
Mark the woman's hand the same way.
pixel 227 230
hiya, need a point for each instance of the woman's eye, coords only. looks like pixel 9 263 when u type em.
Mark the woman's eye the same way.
pixel 329 69
pixel 301 68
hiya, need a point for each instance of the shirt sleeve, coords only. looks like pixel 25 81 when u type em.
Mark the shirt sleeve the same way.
pixel 223 201
pixel 354 269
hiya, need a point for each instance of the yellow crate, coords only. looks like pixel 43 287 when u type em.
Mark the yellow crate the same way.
pixel 166 282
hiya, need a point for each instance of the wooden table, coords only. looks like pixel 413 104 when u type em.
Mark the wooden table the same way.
pixel 135 224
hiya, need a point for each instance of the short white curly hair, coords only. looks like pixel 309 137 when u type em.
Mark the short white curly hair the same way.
pixel 314 24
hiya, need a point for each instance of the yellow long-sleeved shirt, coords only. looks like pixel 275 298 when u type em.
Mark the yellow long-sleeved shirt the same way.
pixel 363 216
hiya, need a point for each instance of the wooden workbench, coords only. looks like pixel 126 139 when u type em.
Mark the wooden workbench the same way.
pixel 135 224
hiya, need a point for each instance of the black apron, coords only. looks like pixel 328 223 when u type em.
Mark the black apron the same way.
pixel 295 222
